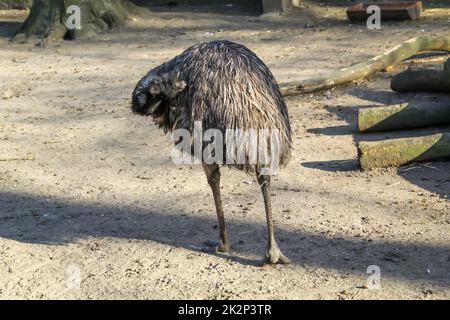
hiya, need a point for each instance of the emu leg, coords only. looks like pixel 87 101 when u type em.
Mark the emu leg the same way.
pixel 212 172
pixel 273 253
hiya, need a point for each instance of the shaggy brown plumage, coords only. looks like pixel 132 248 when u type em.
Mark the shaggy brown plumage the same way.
pixel 223 85
pixel 227 87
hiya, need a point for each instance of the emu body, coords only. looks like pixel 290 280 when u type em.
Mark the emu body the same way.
pixel 224 86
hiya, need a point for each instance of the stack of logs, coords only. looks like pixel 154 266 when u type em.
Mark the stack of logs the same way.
pixel 416 114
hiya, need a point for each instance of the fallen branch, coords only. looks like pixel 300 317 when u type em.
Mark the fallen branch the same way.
pixel 416 114
pixel 431 57
pixel 397 152
pixel 367 68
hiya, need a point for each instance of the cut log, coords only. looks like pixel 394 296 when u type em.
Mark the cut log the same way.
pixel 416 114
pixel 397 152
pixel 367 68
pixel 447 68
pixel 421 80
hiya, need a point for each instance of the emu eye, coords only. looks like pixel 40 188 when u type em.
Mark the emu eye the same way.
pixel 142 99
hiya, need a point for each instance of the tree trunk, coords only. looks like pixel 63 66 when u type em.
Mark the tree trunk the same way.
pixel 48 18
pixel 421 80
pixel 367 68
pixel 397 152
pixel 416 114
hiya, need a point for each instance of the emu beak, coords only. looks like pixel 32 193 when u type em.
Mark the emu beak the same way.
pixel 153 107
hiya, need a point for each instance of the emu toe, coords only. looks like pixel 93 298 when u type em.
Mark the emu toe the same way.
pixel 217 246
pixel 274 256
pixel 223 248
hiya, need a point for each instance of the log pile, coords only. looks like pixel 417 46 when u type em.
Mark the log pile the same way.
pixel 416 114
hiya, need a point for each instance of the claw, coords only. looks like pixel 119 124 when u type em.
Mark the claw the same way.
pixel 223 248
pixel 217 246
pixel 274 256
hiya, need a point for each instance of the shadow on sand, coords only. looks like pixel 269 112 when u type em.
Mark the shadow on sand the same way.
pixel 58 222
pixel 9 28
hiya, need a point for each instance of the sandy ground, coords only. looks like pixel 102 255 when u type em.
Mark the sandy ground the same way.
pixel 89 190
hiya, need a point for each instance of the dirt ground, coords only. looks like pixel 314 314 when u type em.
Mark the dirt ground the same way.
pixel 88 189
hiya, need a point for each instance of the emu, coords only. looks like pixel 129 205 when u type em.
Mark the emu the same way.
pixel 223 85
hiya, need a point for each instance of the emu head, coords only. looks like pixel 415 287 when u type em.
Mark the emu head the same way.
pixel 153 93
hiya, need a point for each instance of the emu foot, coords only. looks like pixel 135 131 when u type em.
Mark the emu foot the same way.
pixel 217 246
pixel 274 256
pixel 225 248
